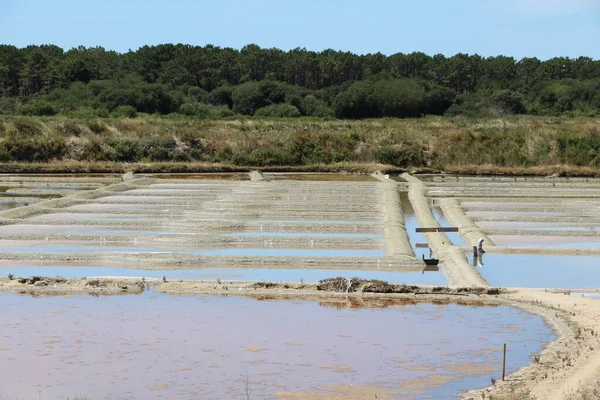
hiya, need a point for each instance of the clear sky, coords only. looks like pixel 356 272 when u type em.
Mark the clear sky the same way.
pixel 518 28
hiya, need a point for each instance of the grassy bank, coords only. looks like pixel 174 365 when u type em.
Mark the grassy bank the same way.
pixel 524 145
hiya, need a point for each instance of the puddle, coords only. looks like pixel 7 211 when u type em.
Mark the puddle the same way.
pixel 238 274
pixel 539 271
pixel 153 345
pixel 583 242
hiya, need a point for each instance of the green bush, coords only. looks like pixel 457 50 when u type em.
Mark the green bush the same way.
pixel 38 108
pixel 87 113
pixel 313 107
pixel 405 155
pixel 198 110
pixel 278 110
pixel 27 127
pixel 124 112
pixel 96 127
pixel 8 105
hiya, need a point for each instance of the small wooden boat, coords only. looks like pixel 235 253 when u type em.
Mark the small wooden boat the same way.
pixel 430 261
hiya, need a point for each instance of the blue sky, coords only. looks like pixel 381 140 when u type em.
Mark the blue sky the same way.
pixel 518 28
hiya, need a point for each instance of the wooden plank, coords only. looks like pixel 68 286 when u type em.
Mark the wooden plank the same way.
pixel 438 229
pixel 422 245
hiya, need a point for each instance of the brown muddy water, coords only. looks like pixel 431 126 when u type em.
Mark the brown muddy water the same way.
pixel 172 347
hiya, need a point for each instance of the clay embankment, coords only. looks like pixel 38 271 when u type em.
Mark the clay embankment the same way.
pixel 453 262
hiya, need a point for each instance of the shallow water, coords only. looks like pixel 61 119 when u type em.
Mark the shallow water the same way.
pixel 316 222
pixel 297 234
pixel 540 271
pixel 587 295
pixel 62 247
pixel 411 223
pixel 535 226
pixel 583 242
pixel 151 346
pixel 238 274
pixel 517 214
pixel 322 177
pixel 8 205
pixel 80 230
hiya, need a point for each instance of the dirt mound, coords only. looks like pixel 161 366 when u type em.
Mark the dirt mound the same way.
pixel 75 285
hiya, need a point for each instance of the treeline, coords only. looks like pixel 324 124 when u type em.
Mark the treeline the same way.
pixel 212 82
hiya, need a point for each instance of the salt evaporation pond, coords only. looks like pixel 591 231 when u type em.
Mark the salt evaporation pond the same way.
pixel 539 271
pixel 159 346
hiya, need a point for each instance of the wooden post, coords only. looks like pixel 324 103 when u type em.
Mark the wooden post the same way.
pixel 504 363
pixel 474 251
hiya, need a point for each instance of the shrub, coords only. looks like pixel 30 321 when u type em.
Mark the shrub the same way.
pixel 401 155
pixel 124 112
pixel 314 107
pixel 509 101
pixel 27 127
pixel 8 105
pixel 38 108
pixel 278 110
pixel 96 126
pixel 221 96
pixel 87 113
pixel 197 109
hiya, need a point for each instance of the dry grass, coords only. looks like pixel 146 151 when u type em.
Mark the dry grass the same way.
pixel 517 145
pixel 591 392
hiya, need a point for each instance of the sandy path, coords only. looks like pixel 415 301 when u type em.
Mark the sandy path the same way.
pixel 453 262
pixel 396 239
pixel 466 227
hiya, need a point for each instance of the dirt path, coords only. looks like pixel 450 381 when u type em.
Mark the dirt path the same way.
pixel 466 227
pixel 453 262
pixel 397 242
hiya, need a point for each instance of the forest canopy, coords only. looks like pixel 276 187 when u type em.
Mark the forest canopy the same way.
pixel 210 82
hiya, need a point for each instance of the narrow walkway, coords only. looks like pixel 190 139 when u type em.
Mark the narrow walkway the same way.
pixel 453 262
pixel 397 242
pixel 466 227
